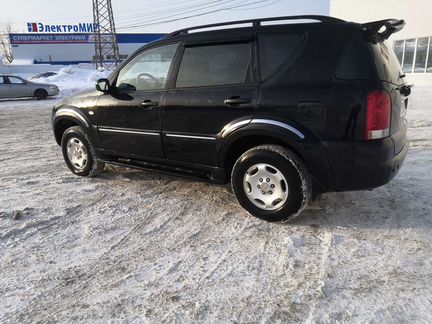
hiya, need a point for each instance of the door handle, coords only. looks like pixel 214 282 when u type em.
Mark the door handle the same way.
pixel 149 104
pixel 237 101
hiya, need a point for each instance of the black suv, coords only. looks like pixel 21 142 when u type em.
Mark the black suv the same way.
pixel 285 111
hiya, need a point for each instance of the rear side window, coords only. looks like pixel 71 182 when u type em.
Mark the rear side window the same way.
pixel 276 50
pixel 215 65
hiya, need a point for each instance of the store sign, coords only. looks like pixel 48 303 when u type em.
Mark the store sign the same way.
pixel 77 28
pixel 50 39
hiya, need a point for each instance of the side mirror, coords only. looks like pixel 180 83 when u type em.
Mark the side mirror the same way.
pixel 103 85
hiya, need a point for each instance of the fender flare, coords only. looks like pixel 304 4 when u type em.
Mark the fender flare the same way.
pixel 76 116
pixel 281 130
pixel 299 139
pixel 71 113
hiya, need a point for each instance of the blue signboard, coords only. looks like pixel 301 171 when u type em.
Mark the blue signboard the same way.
pixel 17 39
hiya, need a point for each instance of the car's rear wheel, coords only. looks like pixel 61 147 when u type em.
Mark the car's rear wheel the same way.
pixel 41 94
pixel 79 153
pixel 271 182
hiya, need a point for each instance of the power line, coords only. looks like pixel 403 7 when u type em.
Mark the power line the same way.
pixel 191 16
pixel 258 7
pixel 176 12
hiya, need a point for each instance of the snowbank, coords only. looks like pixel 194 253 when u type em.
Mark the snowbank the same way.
pixel 72 79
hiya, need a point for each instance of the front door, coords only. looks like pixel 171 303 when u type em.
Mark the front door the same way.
pixel 18 88
pixel 128 117
pixel 214 87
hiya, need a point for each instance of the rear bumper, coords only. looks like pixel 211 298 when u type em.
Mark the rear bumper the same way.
pixel 364 165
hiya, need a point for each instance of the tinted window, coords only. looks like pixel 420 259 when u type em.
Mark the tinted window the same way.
pixel 356 62
pixel 14 80
pixel 214 65
pixel 148 70
pixel 276 50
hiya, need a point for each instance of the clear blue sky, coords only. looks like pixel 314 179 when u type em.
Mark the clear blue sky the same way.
pixel 128 13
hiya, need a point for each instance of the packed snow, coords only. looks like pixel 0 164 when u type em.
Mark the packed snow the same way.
pixel 134 246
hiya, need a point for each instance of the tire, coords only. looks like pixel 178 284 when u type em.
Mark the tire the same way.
pixel 41 94
pixel 271 182
pixel 79 154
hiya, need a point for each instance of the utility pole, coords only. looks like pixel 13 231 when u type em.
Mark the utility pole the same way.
pixel 107 53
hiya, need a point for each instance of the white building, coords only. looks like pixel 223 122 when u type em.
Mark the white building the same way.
pixel 413 44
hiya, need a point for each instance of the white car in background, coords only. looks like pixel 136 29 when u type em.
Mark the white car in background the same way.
pixel 12 86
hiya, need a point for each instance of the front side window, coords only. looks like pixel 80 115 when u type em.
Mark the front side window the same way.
pixel 215 65
pixel 148 70
pixel 14 80
pixel 2 80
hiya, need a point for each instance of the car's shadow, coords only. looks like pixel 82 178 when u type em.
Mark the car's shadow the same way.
pixel 388 207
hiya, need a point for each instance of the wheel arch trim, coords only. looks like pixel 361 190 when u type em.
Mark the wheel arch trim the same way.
pixel 70 112
pixel 279 124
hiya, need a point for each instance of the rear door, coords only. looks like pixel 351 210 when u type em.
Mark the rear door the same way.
pixel 215 86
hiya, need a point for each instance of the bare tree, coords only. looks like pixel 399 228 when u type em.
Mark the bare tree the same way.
pixel 5 44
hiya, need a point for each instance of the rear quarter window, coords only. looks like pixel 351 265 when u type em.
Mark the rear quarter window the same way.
pixel 277 50
pixel 356 61
pixel 215 65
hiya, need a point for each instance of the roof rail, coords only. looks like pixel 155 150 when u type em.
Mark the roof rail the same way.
pixel 257 22
pixel 372 29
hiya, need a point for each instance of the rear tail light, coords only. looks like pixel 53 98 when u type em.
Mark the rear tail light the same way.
pixel 378 115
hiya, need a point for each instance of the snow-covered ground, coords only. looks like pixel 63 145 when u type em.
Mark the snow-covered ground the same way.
pixel 143 247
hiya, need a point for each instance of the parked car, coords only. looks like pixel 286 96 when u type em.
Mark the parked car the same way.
pixel 12 86
pixel 283 111
pixel 42 75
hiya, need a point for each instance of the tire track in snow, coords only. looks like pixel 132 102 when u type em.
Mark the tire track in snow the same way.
pixel 322 276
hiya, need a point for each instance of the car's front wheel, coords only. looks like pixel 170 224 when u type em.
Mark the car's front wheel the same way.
pixel 79 153
pixel 271 182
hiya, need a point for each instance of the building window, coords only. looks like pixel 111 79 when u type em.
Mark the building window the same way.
pixel 409 55
pixel 429 60
pixel 421 53
pixel 399 49
pixel 414 54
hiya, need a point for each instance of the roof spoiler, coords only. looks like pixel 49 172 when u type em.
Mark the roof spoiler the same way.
pixel 372 29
